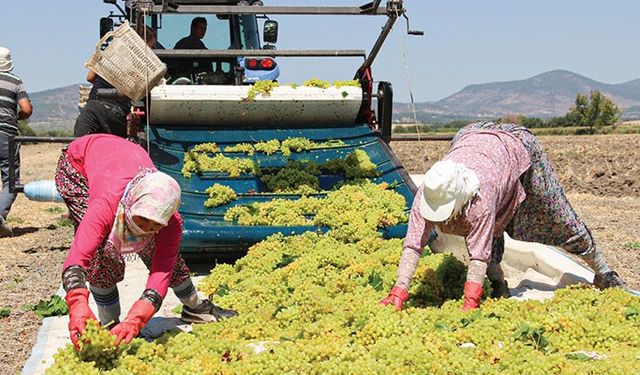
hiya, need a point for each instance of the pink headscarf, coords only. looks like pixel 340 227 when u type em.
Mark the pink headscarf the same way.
pixel 151 194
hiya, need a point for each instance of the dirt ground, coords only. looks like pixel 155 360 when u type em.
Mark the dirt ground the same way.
pixel 601 175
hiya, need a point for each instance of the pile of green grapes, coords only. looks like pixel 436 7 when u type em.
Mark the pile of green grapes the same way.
pixel 207 157
pixel 197 160
pixel 219 195
pixel 264 88
pixel 309 304
pixel 353 212
pixel 286 147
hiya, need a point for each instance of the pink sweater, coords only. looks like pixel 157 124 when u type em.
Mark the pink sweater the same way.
pixel 109 163
pixel 499 159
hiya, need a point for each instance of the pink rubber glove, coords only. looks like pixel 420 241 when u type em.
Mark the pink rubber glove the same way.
pixel 397 297
pixel 140 313
pixel 79 312
pixel 472 295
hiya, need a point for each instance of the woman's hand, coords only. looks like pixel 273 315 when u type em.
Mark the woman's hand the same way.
pixel 79 312
pixel 472 295
pixel 397 297
pixel 140 313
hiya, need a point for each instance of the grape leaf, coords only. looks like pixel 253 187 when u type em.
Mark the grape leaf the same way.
pixel 286 260
pixel 223 290
pixel 55 306
pixel 375 281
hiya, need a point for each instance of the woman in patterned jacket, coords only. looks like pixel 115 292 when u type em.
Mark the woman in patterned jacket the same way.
pixel 495 178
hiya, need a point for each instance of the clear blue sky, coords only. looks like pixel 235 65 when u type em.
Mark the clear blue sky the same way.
pixel 465 42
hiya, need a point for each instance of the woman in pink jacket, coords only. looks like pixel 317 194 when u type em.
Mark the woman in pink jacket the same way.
pixel 494 178
pixel 123 208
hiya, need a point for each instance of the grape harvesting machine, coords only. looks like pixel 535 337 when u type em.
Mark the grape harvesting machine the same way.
pixel 211 101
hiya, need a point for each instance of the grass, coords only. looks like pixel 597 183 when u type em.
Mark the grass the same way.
pixel 64 222
pixel 54 210
pixel 632 245
pixel 15 220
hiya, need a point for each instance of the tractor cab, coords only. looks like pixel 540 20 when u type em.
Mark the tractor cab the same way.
pixel 197 57
pixel 221 32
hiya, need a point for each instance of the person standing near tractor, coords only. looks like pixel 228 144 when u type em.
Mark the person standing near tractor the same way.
pixel 494 178
pixel 13 96
pixel 107 116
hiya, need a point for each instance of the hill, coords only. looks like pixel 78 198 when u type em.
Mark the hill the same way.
pixel 545 95
pixel 54 109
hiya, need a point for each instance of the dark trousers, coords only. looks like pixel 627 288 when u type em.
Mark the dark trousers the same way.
pixel 100 116
pixel 6 198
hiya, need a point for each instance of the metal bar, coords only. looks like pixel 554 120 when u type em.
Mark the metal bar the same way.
pixel 224 53
pixel 300 10
pixel 403 138
pixel 398 165
pixel 45 139
pixel 386 29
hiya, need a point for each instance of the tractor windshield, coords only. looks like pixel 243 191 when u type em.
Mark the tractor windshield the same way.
pixel 222 32
pixel 174 31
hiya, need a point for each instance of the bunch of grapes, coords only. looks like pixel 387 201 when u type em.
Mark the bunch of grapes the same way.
pixel 357 165
pixel 268 147
pixel 352 82
pixel 292 177
pixel 316 82
pixel 246 148
pixel 261 87
pixel 199 162
pixel 219 195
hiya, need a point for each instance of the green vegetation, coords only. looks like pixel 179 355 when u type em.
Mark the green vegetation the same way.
pixel 54 210
pixel 594 111
pixel 55 306
pixel 62 223
pixel 632 245
pixel 591 114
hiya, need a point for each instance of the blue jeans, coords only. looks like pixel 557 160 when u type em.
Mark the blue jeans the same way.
pixel 6 198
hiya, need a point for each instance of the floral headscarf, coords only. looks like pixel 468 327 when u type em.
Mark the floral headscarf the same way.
pixel 151 194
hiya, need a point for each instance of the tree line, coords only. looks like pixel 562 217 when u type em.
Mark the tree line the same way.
pixel 590 112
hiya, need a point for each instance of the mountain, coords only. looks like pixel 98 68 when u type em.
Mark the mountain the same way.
pixel 545 95
pixel 54 109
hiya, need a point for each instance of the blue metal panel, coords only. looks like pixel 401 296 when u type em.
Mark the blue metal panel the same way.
pixel 205 228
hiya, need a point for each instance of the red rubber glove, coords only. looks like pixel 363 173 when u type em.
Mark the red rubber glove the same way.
pixel 79 312
pixel 397 297
pixel 140 313
pixel 472 295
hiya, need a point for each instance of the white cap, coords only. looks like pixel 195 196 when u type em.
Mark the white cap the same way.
pixel 447 186
pixel 6 64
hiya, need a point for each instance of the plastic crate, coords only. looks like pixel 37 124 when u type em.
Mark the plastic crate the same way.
pixel 126 62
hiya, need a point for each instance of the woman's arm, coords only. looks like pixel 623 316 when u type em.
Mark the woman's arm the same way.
pixel 167 249
pixel 91 76
pixel 92 231
pixel 416 239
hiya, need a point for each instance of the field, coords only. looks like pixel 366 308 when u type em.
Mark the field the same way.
pixel 600 174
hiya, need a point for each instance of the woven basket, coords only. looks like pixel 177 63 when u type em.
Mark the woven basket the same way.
pixel 127 63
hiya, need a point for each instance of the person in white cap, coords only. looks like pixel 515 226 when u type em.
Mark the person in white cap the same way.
pixel 494 178
pixel 12 96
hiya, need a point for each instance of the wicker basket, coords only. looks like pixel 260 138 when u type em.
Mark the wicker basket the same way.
pixel 127 63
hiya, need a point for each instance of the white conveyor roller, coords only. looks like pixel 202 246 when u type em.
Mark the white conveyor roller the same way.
pixel 228 105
